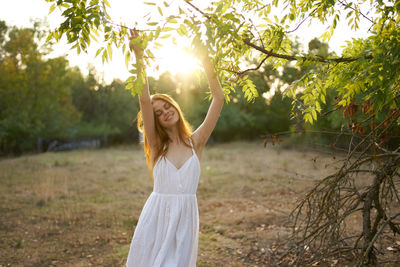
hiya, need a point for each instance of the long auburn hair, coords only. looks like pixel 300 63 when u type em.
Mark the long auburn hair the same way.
pixel 184 131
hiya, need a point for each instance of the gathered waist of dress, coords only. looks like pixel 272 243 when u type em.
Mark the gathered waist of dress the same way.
pixel 172 194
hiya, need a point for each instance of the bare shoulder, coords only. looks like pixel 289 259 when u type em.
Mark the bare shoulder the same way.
pixel 198 144
pixel 153 148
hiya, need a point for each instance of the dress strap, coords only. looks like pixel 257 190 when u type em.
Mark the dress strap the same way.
pixel 191 144
pixel 161 156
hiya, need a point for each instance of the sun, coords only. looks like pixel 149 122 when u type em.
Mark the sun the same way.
pixel 176 60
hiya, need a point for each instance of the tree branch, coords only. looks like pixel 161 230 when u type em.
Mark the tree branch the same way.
pixel 198 9
pixel 290 57
pixel 240 73
pixel 305 58
pixel 345 4
pixel 304 20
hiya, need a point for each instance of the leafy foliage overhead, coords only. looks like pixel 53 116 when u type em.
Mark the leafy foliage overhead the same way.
pixel 235 29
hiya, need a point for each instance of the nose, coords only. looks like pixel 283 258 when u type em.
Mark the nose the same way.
pixel 166 114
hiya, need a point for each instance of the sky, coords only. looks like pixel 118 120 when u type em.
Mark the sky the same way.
pixel 170 57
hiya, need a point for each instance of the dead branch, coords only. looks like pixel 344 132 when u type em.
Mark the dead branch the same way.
pixel 319 220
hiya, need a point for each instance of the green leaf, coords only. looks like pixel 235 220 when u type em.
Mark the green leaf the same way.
pixel 104 56
pixel 308 118
pixel 78 48
pixel 129 86
pixel 99 51
pixel 314 114
pixel 127 58
pixel 149 54
pixel 183 29
pixel 49 37
pixel 172 20
pixel 52 7
pixel 130 79
pixel 106 2
pixel 167 29
pixel 93 37
pixel 219 8
pixel 322 97
pixel 150 3
pixel 160 11
pixel 109 51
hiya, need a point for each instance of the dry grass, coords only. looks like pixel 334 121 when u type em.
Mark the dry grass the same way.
pixel 79 208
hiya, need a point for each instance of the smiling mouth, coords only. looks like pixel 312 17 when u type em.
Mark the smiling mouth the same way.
pixel 169 117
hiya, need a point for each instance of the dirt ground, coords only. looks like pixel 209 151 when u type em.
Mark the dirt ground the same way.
pixel 79 208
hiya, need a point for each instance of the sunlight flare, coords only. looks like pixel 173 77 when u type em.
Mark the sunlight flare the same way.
pixel 177 59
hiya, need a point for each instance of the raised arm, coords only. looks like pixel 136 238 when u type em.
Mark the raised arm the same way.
pixel 146 107
pixel 204 131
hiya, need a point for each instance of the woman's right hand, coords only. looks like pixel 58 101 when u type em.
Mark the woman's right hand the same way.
pixel 134 43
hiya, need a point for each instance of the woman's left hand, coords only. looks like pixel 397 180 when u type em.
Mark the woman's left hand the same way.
pixel 203 54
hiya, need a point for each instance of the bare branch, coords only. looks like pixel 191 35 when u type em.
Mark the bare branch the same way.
pixel 377 235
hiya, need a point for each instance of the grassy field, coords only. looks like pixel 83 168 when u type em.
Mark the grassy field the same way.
pixel 79 208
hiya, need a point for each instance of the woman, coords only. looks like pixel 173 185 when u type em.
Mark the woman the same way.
pixel 167 230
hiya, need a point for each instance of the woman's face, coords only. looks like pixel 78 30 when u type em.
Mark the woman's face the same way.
pixel 165 113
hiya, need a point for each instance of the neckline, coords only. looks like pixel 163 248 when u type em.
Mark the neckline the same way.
pixel 166 159
pixel 186 161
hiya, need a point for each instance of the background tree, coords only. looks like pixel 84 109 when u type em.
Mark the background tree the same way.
pixel 46 99
pixel 34 99
pixel 107 109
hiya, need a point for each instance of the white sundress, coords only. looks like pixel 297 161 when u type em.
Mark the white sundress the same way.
pixel 168 228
